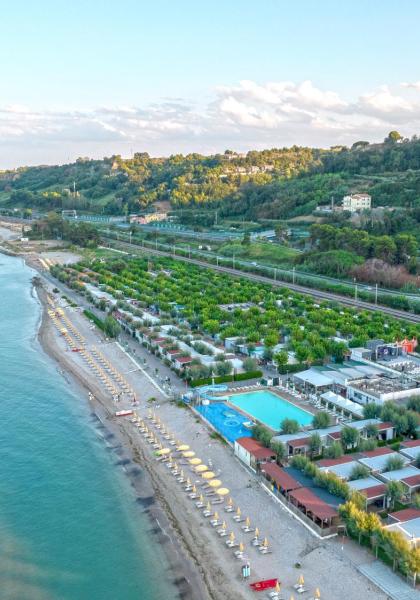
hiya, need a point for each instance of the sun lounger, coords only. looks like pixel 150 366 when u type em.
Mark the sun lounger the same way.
pixel 239 554
pixel 218 501
pixel 238 519
pixel 207 513
pixel 301 590
pixel 215 523
pixel 229 509
pixel 193 496
pixel 246 529
pixel 231 544
pixel 256 542
pixel 264 550
pixel 200 504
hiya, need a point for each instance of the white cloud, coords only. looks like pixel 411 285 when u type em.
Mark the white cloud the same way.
pixel 243 116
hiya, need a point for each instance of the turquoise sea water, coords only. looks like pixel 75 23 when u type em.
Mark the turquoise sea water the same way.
pixel 269 409
pixel 70 528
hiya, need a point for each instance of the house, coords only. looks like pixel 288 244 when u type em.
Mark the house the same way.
pixel 409 529
pixel 406 514
pixel 252 453
pixel 410 449
pixel 355 202
pixel 313 381
pixel 378 463
pixel 373 490
pixel 180 362
pixel 409 476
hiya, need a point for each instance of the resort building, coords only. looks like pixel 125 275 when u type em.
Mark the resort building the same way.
pixel 355 202
pixel 252 453
pixel 410 449
pixel 380 389
pixel 409 529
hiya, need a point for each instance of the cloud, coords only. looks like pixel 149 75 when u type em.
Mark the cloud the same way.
pixel 246 115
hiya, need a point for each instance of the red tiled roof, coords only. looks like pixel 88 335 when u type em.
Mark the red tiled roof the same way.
pixel 312 503
pixel 255 448
pixel 377 452
pixel 407 514
pixel 385 425
pixel 184 359
pixel 410 444
pixel 412 481
pixel 298 443
pixel 335 435
pixel 375 491
pixel 331 462
pixel 280 477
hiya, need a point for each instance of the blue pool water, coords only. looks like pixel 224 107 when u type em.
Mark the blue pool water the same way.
pixel 226 420
pixel 269 409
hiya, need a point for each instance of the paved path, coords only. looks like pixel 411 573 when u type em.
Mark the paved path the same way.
pixel 388 581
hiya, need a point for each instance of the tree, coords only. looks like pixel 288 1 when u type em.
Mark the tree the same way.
pixel 359 472
pixel 394 463
pixel 371 430
pixel 349 437
pixel 279 448
pixel 262 434
pixel 271 339
pixel 281 358
pixel 393 137
pixel 289 426
pixel 372 411
pixel 394 492
pixel 315 444
pixel 334 451
pixel 249 364
pixel 111 327
pixel 223 367
pixel 321 420
pixel 246 241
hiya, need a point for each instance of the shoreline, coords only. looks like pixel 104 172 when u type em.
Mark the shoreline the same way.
pixel 184 571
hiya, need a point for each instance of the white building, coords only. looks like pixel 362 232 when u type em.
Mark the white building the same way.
pixel 356 202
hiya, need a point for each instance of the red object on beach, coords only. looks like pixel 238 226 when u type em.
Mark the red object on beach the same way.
pixel 75 350
pixel 124 413
pixel 265 584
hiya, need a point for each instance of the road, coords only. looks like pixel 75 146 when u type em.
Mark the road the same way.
pixel 318 294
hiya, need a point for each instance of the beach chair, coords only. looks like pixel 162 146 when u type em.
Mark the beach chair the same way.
pixel 229 509
pixel 207 513
pixel 301 590
pixel 231 544
pixel 247 529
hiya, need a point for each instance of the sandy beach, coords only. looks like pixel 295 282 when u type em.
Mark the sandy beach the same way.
pixel 202 565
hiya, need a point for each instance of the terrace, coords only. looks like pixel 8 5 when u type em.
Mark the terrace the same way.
pixel 380 388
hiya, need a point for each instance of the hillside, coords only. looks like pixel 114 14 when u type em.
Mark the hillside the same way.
pixel 270 184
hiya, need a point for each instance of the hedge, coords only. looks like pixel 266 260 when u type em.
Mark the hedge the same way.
pixel 226 378
pixel 92 317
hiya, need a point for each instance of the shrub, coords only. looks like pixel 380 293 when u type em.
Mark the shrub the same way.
pixel 394 463
pixel 289 426
pixel 359 472
pixel 321 420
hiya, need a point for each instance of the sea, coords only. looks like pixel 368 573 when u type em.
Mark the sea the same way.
pixel 70 526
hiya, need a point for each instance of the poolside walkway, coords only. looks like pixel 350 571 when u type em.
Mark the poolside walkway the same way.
pixel 388 581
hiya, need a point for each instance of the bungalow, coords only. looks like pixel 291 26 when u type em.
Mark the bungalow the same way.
pixel 410 449
pixel 252 453
pixel 406 514
pixel 409 476
pixel 378 463
pixel 409 529
pixel 373 490
pixel 180 362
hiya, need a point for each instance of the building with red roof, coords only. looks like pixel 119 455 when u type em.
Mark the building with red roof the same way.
pixel 252 453
pixel 401 516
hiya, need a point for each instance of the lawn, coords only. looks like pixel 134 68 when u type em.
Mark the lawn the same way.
pixel 263 252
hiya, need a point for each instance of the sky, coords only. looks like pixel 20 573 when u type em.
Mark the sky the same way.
pixel 96 78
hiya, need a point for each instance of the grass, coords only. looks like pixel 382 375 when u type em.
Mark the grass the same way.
pixel 262 252
pixel 216 436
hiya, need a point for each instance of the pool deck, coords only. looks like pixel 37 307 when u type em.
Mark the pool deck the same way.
pixel 283 395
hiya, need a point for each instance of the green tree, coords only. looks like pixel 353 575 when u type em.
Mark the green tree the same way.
pixel 321 420
pixel 315 444
pixel 349 437
pixel 394 463
pixel 289 426
pixel 394 492
pixel 359 472
pixel 249 364
pixel 335 450
pixel 223 367
pixel 393 137
pixel 372 411
pixel 281 358
pixel 111 327
pixel 279 448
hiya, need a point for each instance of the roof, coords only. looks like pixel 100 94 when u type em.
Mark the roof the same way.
pixel 385 425
pixel 343 403
pixel 313 377
pixel 323 433
pixel 410 444
pixel 407 514
pixel 300 442
pixel 313 503
pixel 409 529
pixel 280 477
pixel 330 462
pixel 409 475
pixel 335 435
pixel 411 452
pixel 369 487
pixel 343 471
pixel 379 463
pixel 183 359
pixel 377 452
pixel 255 447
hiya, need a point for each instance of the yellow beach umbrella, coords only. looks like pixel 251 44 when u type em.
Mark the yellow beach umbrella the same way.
pixel 188 481
pixel 201 468
pixel 183 447
pixel 222 491
pixel 292 598
pixel 201 498
pixel 188 454
pixel 301 580
pixel 194 489
pixel 208 507
pixel 230 502
pixel 208 475
pixel 164 451
pixel 216 516
pixel 238 512
pixel 247 522
pixel 257 532
pixel 265 543
pixel 241 547
pixel 232 536
pixel 317 593
pixel 215 483
pixel 224 526
pixel 277 588
pixel 194 461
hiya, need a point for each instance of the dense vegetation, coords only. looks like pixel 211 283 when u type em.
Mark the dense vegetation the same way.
pixel 176 290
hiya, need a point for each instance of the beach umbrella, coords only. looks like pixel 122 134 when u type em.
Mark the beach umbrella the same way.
pixel 208 475
pixel 194 461
pixel 238 512
pixel 194 489
pixel 230 502
pixel 257 532
pixel 247 522
pixel 301 580
pixel 216 516
pixel 277 588
pixel 188 481
pixel 208 507
pixel 265 543
pixel 164 451
pixel 222 491
pixel 224 526
pixel 201 468
pixel 201 498
pixel 232 536
pixel 215 483
pixel 183 447
pixel 188 454
pixel 292 598
pixel 317 593
pixel 241 547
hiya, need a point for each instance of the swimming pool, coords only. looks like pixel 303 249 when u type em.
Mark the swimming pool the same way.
pixel 269 409
pixel 228 421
